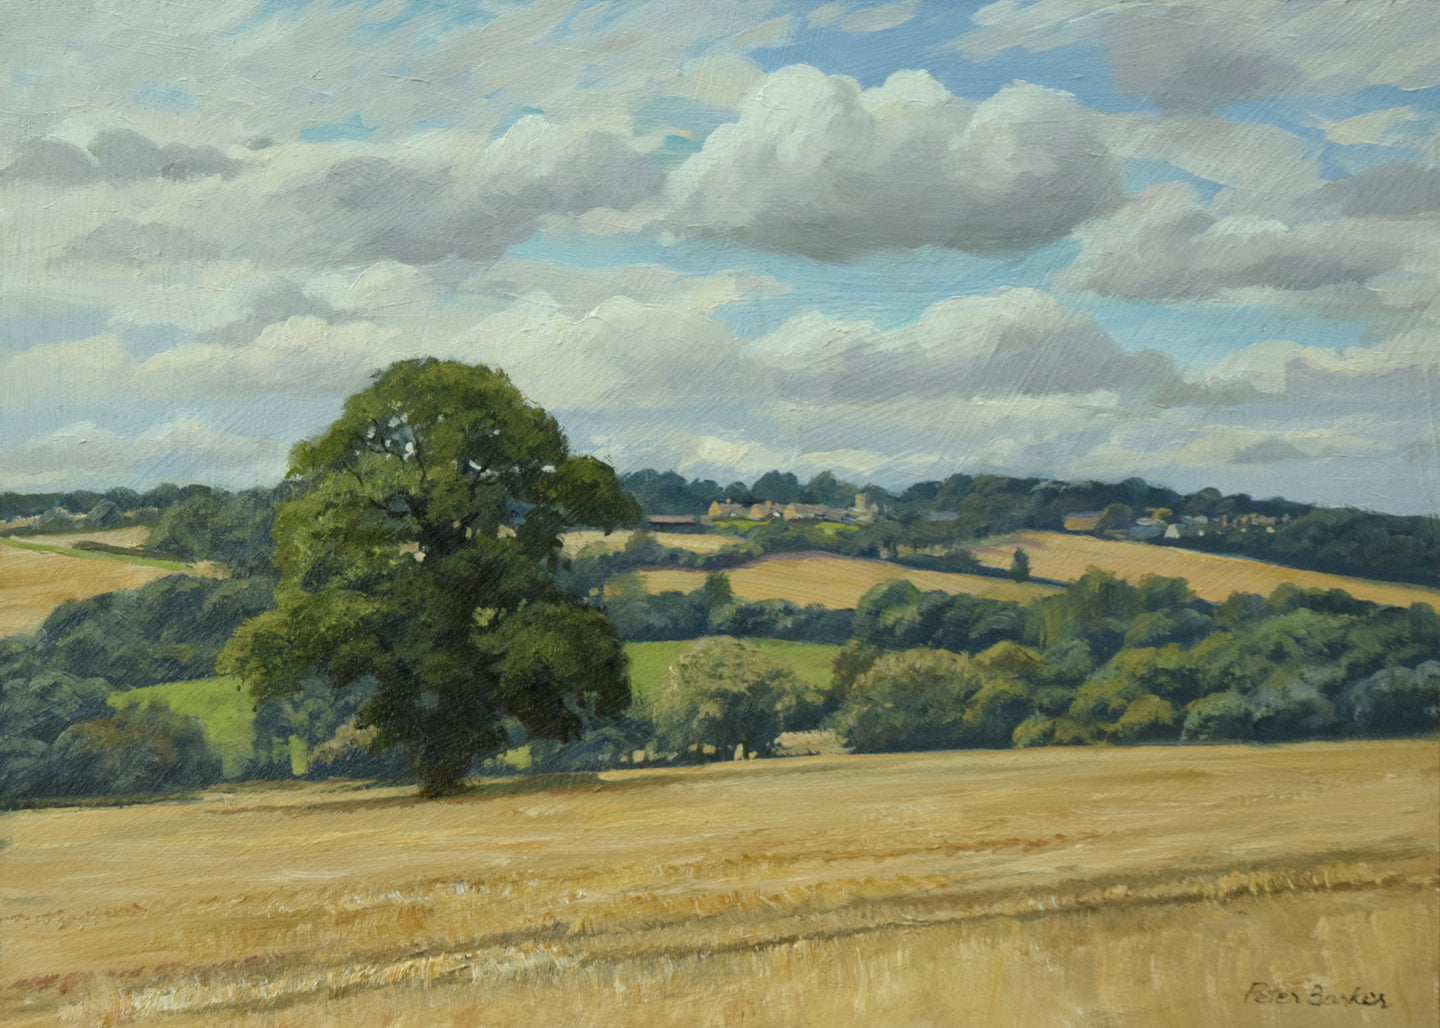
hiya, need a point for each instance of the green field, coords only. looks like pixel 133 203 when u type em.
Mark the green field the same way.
pixel 227 712
pixel 118 558
pixel 219 704
pixel 650 661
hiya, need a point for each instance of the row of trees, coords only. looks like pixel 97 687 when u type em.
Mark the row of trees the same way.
pixel 1103 662
pixel 950 514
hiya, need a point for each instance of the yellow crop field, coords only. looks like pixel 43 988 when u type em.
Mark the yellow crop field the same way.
pixel 1065 557
pixel 695 543
pixel 836 582
pixel 33 583
pixel 134 536
pixel 1132 886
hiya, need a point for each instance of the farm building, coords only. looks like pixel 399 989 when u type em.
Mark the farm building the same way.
pixel 675 523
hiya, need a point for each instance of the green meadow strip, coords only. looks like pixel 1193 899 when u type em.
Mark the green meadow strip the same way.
pixel 122 558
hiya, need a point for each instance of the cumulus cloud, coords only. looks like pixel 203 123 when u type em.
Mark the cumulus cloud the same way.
pixel 1197 55
pixel 116 156
pixel 1403 369
pixel 1006 343
pixel 622 356
pixel 85 455
pixel 819 166
pixel 878 19
pixel 445 197
pixel 1167 245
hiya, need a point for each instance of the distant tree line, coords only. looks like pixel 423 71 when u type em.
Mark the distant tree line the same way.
pixel 1103 661
pixel 947 515
pixel 58 734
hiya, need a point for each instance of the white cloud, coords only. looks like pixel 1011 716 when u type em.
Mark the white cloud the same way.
pixel 1006 343
pixel 878 19
pixel 1196 55
pixel 84 455
pixel 1166 245
pixel 1373 127
pixel 817 165
pixel 826 15
pixel 1260 159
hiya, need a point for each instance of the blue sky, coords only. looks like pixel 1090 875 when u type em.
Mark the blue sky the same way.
pixel 1193 241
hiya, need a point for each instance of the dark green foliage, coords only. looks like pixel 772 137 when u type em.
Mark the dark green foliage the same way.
pixel 1343 541
pixel 58 735
pixel 1020 566
pixel 314 714
pixel 233 529
pixel 925 699
pixel 54 522
pixel 1219 717
pixel 104 515
pixel 143 749
pixel 166 631
pixel 896 615
pixel 1397 701
pixel 725 693
pixel 419 555
pixel 777 486
pixel 41 705
pixel 665 492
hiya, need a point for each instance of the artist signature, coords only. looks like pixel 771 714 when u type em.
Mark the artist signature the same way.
pixel 1313 995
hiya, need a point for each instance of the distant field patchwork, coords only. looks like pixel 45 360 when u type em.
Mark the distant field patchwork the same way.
pixel 1063 556
pixel 837 582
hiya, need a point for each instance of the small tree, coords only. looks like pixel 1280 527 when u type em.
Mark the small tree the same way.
pixel 1020 566
pixel 1113 518
pixel 419 558
pixel 723 693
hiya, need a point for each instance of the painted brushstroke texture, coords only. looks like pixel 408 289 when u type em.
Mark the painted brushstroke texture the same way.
pixel 1193 241
pixel 896 889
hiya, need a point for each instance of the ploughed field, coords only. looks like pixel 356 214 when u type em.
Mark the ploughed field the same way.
pixel 1144 886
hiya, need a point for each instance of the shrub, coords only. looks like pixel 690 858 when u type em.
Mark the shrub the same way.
pixel 723 693
pixel 1395 701
pixel 139 749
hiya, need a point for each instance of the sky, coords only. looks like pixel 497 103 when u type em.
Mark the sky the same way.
pixel 1196 241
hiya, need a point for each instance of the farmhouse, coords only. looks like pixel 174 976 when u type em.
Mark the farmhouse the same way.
pixel 813 512
pixel 675 523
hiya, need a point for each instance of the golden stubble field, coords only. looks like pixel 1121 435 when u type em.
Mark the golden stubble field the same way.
pixel 1145 886
pixel 33 583
pixel 1064 556
pixel 836 582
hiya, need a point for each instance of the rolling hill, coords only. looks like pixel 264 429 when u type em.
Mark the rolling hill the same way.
pixel 38 574
pixel 1065 556
pixel 836 582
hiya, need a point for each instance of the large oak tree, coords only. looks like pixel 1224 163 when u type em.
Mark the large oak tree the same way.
pixel 419 555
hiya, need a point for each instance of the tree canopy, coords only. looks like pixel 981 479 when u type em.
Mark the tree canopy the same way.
pixel 418 557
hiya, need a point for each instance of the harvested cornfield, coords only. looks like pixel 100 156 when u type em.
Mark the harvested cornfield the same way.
pixel 1141 886
pixel 1064 556
pixel 35 581
pixel 837 582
